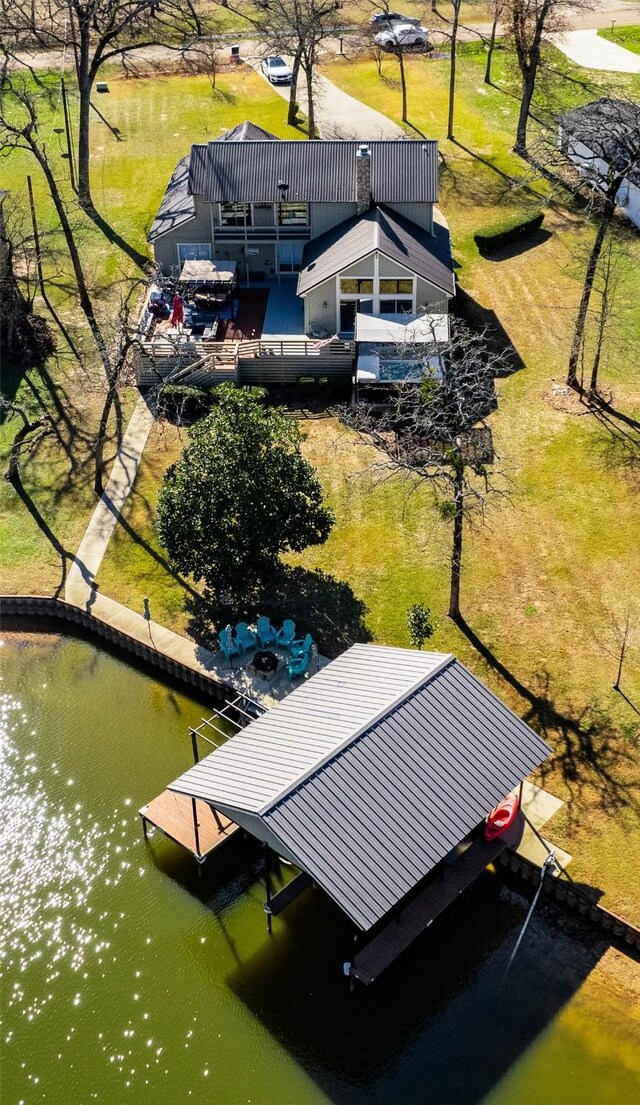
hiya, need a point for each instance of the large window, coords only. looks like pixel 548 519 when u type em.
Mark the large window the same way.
pixel 194 251
pixel 292 214
pixel 235 214
pixel 396 287
pixel 373 297
pixel 396 306
pixel 290 256
pixel 356 287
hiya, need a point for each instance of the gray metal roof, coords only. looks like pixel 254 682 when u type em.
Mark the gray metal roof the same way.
pixel 262 762
pixel 177 205
pixel 427 255
pixel 610 129
pixel 403 171
pixel 247 132
pixel 386 808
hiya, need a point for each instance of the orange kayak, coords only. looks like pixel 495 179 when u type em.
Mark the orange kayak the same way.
pixel 501 817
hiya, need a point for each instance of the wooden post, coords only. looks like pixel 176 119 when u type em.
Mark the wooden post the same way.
pixel 195 826
pixel 267 883
pixel 194 745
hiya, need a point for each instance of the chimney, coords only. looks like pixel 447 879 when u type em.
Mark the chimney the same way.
pixel 363 179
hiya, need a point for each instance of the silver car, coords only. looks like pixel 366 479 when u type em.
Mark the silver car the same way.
pixel 276 70
pixel 402 35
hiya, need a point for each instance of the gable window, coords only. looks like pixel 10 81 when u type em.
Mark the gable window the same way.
pixel 292 214
pixel 235 214
pixel 194 251
pixel 396 287
pixel 356 287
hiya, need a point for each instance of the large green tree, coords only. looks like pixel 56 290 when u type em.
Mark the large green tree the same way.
pixel 241 494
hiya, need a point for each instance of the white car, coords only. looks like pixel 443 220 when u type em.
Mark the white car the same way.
pixel 401 35
pixel 276 70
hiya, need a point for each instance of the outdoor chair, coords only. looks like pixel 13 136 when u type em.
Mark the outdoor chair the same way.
pixel 298 665
pixel 266 632
pixel 285 636
pixel 246 637
pixel 228 644
pixel 302 646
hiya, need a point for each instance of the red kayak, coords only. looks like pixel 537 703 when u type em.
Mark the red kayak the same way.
pixel 501 817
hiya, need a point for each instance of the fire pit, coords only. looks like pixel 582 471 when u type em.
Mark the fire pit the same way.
pixel 265 664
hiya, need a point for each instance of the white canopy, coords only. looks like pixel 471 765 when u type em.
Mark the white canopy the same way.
pixel 402 329
pixel 208 272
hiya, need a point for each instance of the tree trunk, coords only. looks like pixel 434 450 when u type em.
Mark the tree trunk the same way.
pixel 456 552
pixel 528 86
pixel 452 68
pixel 292 113
pixel 587 288
pixel 98 482
pixel 492 43
pixel 85 84
pixel 403 85
pixel 311 114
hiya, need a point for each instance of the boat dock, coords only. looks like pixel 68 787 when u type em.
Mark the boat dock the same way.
pixel 189 822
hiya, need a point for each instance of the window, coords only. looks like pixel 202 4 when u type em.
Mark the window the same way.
pixel 292 214
pixel 393 287
pixel 194 251
pixel 396 306
pixel 235 214
pixel 356 287
pixel 290 256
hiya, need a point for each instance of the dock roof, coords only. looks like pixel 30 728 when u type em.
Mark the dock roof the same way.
pixel 371 772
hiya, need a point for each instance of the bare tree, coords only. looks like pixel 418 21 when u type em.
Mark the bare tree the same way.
pixel 296 28
pixel 449 28
pixel 92 33
pixel 605 144
pixel 498 8
pixel 530 22
pixel 435 431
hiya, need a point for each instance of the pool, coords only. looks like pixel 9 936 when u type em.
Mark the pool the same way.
pixel 126 977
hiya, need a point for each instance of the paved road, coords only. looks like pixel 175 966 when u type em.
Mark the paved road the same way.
pixel 586 48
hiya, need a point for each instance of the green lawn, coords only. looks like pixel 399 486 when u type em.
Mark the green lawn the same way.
pixel 629 37
pixel 157 120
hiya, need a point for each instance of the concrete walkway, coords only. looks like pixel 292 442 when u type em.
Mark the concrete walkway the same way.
pixel 79 586
pixel 337 114
pixel 588 49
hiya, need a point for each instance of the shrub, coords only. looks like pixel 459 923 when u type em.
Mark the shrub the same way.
pixel 508 230
pixel 184 402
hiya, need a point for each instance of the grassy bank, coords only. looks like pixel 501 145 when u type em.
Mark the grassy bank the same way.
pixel 628 37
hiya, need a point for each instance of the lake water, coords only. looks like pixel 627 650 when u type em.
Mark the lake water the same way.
pixel 128 978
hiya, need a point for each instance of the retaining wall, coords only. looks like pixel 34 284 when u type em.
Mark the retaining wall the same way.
pixel 576 901
pixel 56 609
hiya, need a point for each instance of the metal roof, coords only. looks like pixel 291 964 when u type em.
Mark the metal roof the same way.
pixel 247 132
pixel 427 255
pixel 404 171
pixel 403 330
pixel 272 754
pixel 610 129
pixel 177 205
pixel 383 811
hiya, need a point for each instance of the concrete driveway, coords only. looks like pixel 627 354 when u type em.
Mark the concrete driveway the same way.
pixel 586 48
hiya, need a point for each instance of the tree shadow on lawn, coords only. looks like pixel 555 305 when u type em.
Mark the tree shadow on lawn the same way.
pixel 588 750
pixel 318 603
pixel 483 318
pixel 619 441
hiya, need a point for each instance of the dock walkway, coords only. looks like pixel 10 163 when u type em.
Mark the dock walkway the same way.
pixel 189 822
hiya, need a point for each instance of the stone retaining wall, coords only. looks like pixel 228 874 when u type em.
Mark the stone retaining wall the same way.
pixel 56 609
pixel 627 935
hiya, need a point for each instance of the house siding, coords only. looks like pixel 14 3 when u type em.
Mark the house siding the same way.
pixel 391 269
pixel 628 196
pixel 362 268
pixel 324 216
pixel 428 296
pixel 314 312
pixel 419 213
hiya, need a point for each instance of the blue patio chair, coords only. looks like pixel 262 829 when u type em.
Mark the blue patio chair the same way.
pixel 228 644
pixel 266 632
pixel 302 646
pixel 285 636
pixel 298 665
pixel 246 637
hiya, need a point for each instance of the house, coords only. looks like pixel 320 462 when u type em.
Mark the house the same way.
pixel 603 136
pixel 324 231
pixel 374 779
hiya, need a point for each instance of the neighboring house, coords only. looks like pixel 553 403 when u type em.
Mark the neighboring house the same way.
pixel 352 226
pixel 603 136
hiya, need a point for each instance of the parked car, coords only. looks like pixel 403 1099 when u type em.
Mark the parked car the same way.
pixel 381 18
pixel 276 70
pixel 402 34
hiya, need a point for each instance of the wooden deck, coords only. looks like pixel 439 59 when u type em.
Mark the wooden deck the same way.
pixel 172 814
pixel 406 925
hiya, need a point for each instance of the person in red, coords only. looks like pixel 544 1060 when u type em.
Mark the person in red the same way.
pixel 177 313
